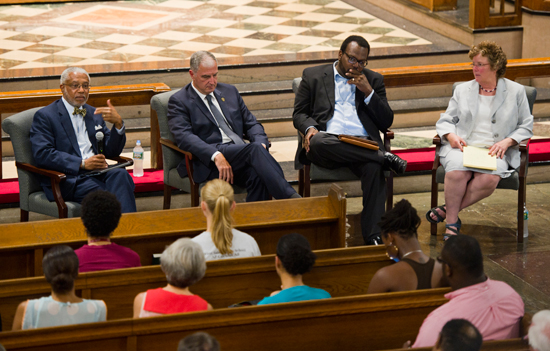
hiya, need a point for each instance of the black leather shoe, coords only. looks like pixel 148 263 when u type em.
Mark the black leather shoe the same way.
pixel 375 240
pixel 394 163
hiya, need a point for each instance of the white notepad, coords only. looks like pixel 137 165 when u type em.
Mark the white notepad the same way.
pixel 477 157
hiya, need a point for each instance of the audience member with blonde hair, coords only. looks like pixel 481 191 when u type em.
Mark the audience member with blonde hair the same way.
pixel 539 331
pixel 221 240
pixel 184 265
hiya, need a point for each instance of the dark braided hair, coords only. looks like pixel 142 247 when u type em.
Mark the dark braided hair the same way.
pixel 295 254
pixel 401 219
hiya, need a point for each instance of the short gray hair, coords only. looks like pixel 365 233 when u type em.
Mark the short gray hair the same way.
pixel 198 57
pixel 539 335
pixel 183 263
pixel 65 74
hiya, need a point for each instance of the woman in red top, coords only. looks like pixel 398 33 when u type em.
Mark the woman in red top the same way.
pixel 184 265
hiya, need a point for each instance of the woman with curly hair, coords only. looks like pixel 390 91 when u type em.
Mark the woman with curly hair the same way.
pixel 490 112
pixel 293 259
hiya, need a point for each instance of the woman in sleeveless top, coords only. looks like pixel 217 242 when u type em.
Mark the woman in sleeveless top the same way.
pixel 62 307
pixel 184 265
pixel 293 259
pixel 489 112
pixel 414 269
pixel 221 240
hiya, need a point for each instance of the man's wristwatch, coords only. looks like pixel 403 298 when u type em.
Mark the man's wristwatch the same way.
pixel 83 164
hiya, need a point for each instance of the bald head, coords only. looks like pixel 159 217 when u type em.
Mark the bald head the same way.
pixel 459 335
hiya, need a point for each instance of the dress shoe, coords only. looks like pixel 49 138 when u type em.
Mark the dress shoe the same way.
pixel 394 163
pixel 375 240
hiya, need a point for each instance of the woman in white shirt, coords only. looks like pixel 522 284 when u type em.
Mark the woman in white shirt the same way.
pixel 221 240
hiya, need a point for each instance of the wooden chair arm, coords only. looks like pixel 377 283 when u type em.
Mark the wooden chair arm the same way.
pixel 55 176
pixel 173 146
pixel 389 134
pixel 437 140
pixel 55 179
pixel 523 145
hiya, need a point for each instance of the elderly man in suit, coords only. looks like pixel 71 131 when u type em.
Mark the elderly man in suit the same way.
pixel 346 98
pixel 210 120
pixel 64 139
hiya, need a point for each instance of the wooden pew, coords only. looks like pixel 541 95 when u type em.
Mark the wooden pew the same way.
pixel 495 345
pixel 342 272
pixel 366 322
pixel 120 95
pixel 322 220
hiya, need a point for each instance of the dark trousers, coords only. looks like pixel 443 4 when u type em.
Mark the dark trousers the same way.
pixel 116 181
pixel 256 170
pixel 329 152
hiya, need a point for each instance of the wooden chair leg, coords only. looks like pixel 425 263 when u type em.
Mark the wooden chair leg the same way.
pixel 301 182
pixel 389 192
pixel 24 216
pixel 194 195
pixel 307 181
pixel 167 197
pixel 433 226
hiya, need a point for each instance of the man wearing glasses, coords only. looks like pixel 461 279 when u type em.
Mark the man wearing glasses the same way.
pixel 347 98
pixel 64 137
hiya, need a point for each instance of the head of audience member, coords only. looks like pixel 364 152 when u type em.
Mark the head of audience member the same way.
pixel 218 202
pixel 353 55
pixel 200 341
pixel 539 331
pixel 458 335
pixel 294 256
pixel 60 265
pixel 183 263
pixel 490 55
pixel 75 86
pixel 204 71
pixel 101 213
pixel 462 262
pixel 399 226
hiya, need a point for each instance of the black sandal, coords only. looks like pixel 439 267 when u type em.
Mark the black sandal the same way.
pixel 436 214
pixel 453 227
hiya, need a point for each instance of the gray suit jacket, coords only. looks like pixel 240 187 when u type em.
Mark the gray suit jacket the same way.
pixel 510 116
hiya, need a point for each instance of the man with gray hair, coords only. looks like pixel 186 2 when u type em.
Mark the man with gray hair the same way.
pixel 200 341
pixel 211 121
pixel 71 137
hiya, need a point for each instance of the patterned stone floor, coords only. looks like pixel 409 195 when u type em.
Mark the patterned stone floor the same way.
pixel 162 33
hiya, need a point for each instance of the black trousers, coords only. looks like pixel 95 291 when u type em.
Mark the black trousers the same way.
pixel 329 152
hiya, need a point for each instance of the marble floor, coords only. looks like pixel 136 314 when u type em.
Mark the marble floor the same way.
pixel 43 39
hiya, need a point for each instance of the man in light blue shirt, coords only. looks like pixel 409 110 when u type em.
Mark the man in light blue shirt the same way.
pixel 346 98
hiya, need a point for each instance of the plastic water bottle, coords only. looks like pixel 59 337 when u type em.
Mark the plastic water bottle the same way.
pixel 138 160
pixel 525 222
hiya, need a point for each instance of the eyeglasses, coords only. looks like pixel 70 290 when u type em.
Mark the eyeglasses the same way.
pixel 354 60
pixel 440 260
pixel 75 86
pixel 478 64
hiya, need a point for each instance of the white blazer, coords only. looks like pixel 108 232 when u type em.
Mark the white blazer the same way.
pixel 510 116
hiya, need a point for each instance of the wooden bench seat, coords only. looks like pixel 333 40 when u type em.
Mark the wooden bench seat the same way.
pixel 120 95
pixel 342 272
pixel 366 322
pixel 322 220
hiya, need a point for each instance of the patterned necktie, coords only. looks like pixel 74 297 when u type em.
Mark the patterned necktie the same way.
pixel 80 111
pixel 222 123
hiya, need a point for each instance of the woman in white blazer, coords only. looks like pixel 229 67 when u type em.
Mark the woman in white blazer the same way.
pixel 489 111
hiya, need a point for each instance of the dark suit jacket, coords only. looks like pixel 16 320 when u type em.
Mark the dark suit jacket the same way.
pixel 54 143
pixel 314 103
pixel 196 131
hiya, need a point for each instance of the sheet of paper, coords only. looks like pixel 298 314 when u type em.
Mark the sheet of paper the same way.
pixel 477 157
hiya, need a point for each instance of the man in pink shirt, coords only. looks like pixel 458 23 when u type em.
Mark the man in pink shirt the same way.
pixel 492 306
pixel 101 213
